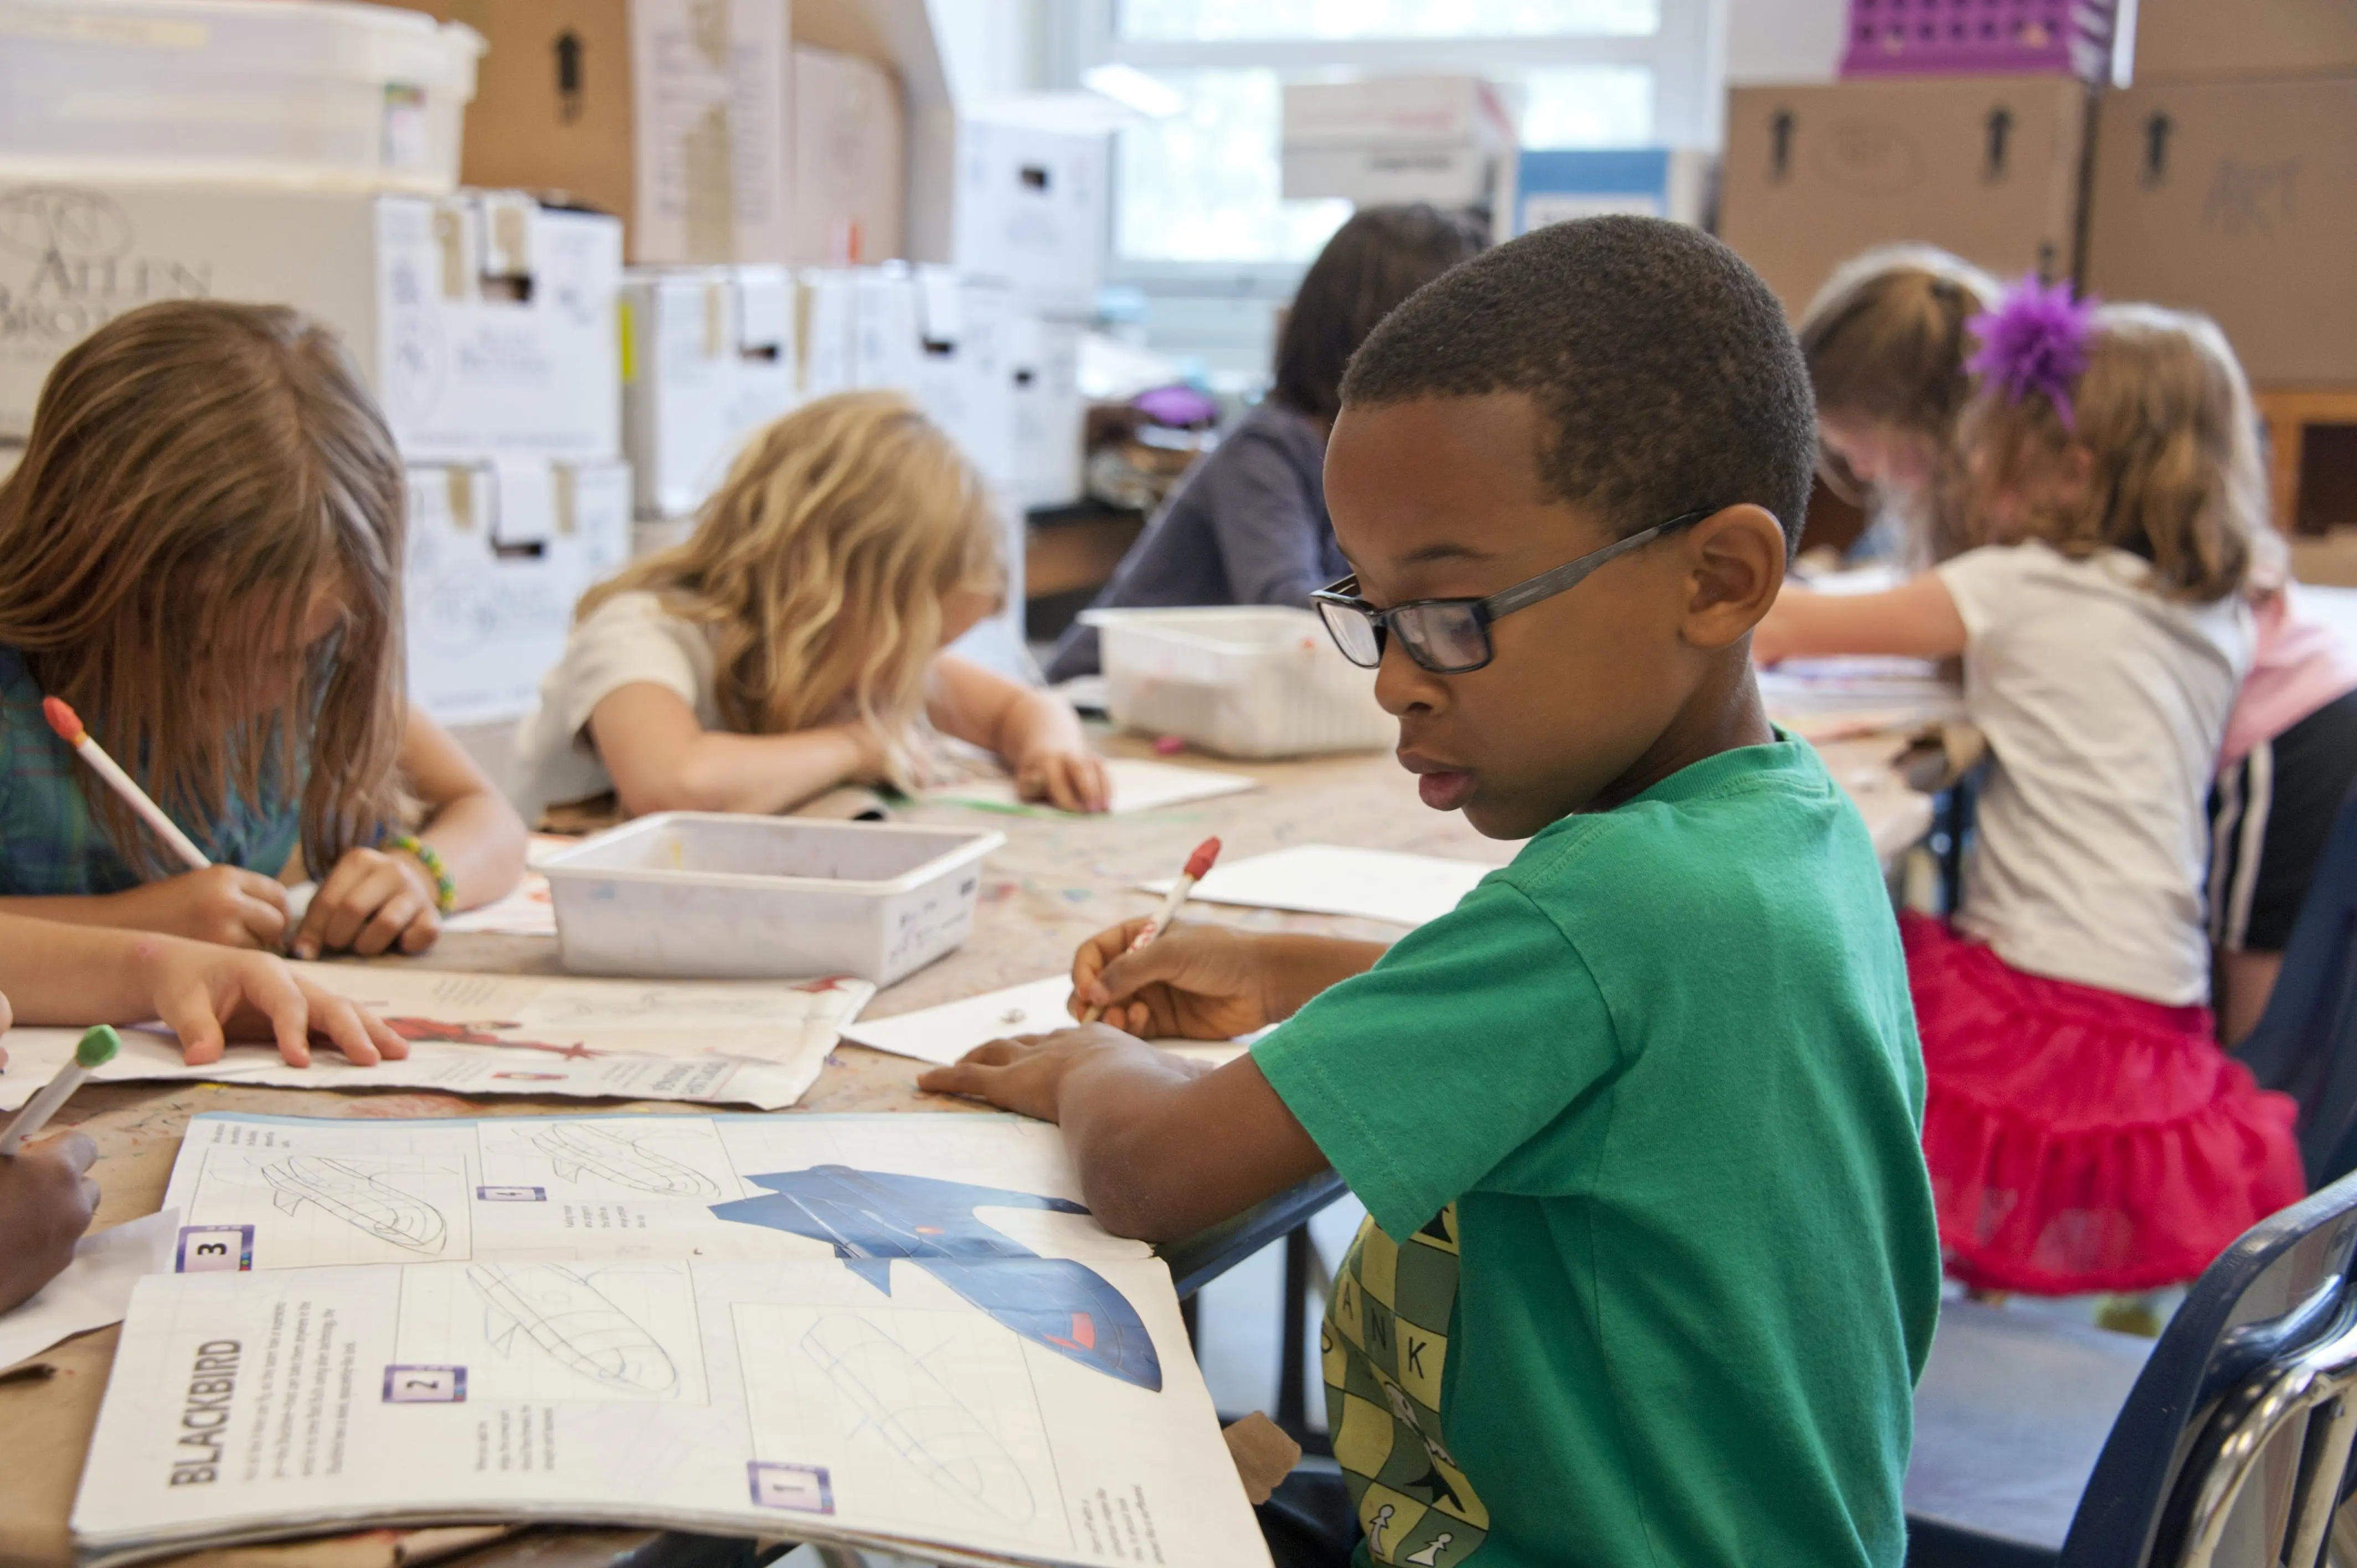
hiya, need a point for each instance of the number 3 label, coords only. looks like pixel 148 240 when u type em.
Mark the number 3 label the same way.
pixel 215 1249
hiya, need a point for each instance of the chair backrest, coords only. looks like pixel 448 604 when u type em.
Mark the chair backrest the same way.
pixel 2263 1329
pixel 2306 1042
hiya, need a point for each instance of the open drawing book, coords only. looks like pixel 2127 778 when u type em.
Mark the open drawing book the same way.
pixel 895 1331
pixel 756 1043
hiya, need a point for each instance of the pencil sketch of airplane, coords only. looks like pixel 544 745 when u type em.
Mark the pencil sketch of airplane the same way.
pixel 573 1147
pixel 925 1423
pixel 574 1323
pixel 873 1217
pixel 358 1198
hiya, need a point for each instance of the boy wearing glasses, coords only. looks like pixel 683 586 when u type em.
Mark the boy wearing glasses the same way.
pixel 1651 1265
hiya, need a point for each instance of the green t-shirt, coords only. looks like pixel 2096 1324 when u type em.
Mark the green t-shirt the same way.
pixel 1656 1266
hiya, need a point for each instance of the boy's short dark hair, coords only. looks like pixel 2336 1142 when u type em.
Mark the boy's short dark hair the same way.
pixel 1659 362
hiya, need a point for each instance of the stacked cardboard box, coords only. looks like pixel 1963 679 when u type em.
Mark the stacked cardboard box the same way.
pixel 817 138
pixel 2227 179
pixel 1990 168
pixel 485 324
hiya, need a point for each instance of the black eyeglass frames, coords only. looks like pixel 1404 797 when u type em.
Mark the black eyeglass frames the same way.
pixel 1451 637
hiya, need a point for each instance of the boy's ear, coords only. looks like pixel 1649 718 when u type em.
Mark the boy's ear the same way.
pixel 1735 567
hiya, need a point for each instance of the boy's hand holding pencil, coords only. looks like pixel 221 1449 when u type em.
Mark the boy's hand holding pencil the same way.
pixel 1193 982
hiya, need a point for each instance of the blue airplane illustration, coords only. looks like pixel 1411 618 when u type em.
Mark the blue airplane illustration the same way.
pixel 874 1217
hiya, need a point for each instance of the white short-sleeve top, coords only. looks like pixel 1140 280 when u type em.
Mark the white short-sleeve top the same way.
pixel 2105 705
pixel 631 637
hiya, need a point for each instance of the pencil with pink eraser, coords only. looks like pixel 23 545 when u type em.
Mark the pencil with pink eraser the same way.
pixel 1197 865
pixel 67 724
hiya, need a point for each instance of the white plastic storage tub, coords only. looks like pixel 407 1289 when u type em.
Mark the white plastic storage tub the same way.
pixel 719 896
pixel 1244 680
pixel 320 94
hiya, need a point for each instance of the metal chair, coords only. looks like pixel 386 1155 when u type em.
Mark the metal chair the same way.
pixel 2230 1446
pixel 2306 1042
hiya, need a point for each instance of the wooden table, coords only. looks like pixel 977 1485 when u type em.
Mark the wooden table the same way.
pixel 1057 881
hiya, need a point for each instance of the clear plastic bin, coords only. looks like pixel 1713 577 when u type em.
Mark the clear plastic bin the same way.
pixel 319 95
pixel 719 896
pixel 1243 681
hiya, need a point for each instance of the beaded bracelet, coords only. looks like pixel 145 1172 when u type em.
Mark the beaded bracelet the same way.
pixel 446 891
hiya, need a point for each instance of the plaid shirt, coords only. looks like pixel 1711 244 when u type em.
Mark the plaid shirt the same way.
pixel 49 844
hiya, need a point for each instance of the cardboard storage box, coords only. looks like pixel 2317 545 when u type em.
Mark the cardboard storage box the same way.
pixel 327 96
pixel 669 113
pixel 1049 413
pixel 1553 185
pixel 485 323
pixel 710 358
pixel 962 380
pixel 2244 38
pixel 885 337
pixel 1032 211
pixel 1986 166
pixel 2237 199
pixel 500 553
pixel 826 329
pixel 1393 139
pixel 849 151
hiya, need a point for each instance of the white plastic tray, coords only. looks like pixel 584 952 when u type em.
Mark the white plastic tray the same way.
pixel 1240 679
pixel 718 896
pixel 324 94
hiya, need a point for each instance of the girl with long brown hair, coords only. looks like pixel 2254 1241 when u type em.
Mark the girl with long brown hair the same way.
pixel 202 552
pixel 793 643
pixel 1885 342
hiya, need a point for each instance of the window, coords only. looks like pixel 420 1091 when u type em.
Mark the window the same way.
pixel 1197 192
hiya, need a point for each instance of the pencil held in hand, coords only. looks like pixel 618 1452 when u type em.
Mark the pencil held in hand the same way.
pixel 67 724
pixel 1197 864
pixel 97 1048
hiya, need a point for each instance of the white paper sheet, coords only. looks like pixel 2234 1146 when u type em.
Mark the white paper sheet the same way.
pixel 94 1288
pixel 870 1329
pixel 1328 879
pixel 1138 785
pixel 724 1042
pixel 944 1034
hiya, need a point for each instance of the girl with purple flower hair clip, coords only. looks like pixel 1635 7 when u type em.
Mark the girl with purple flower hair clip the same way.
pixel 2034 344
pixel 2084 1130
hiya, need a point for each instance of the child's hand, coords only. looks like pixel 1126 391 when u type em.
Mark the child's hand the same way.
pixel 871 754
pixel 209 996
pixel 372 901
pixel 1022 1075
pixel 1196 982
pixel 46 1203
pixel 1068 780
pixel 223 904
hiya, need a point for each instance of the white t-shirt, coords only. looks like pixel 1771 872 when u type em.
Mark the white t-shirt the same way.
pixel 631 637
pixel 2105 705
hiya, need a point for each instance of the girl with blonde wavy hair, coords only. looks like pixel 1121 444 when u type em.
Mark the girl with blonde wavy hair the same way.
pixel 202 552
pixel 2084 1131
pixel 794 642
